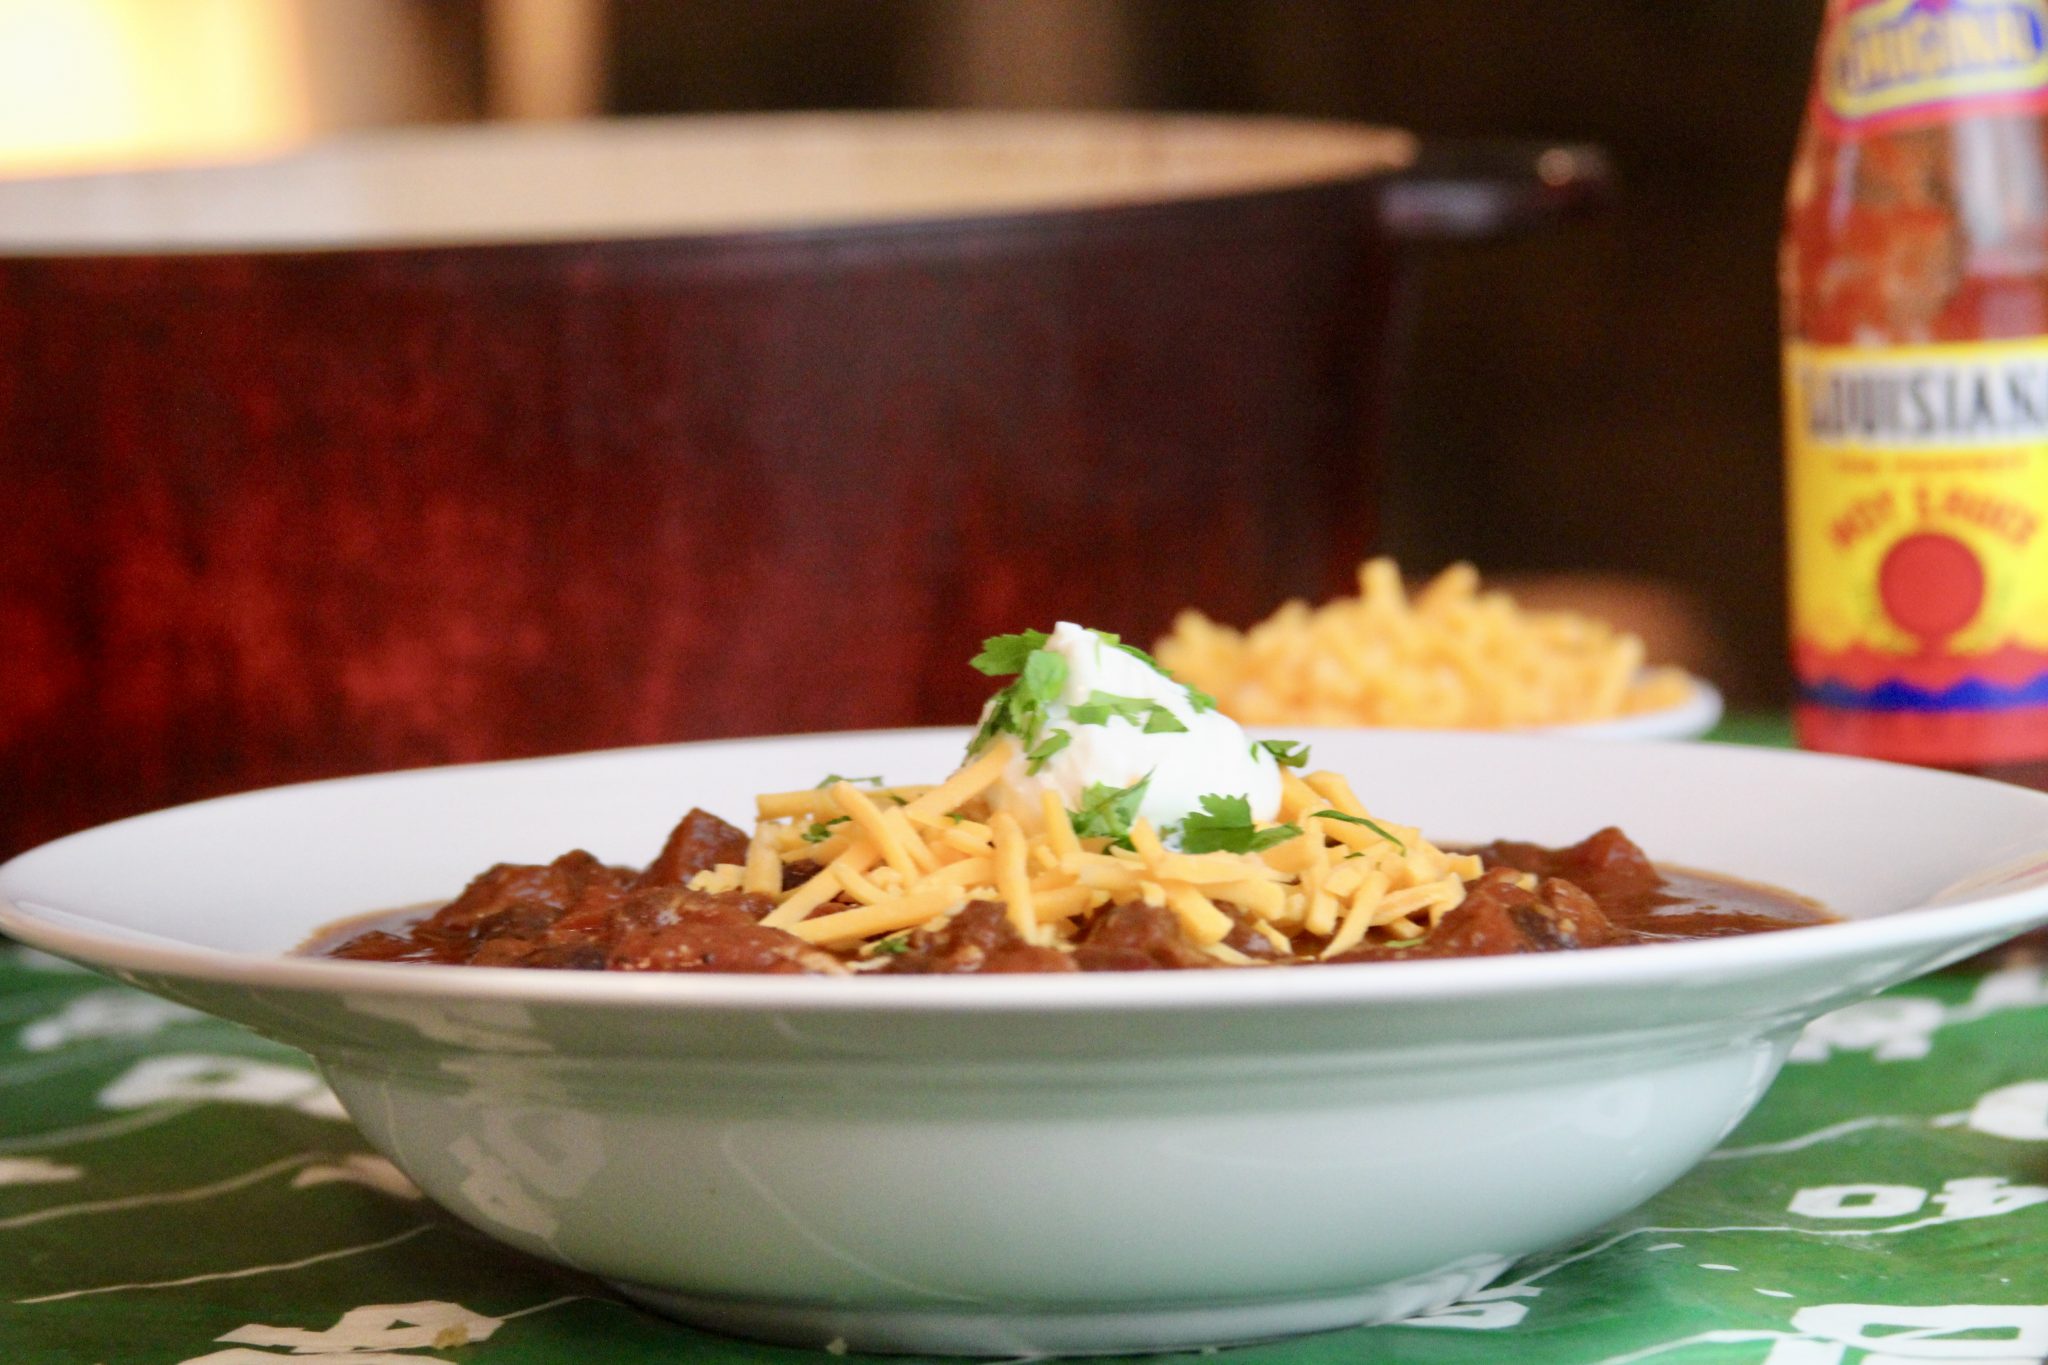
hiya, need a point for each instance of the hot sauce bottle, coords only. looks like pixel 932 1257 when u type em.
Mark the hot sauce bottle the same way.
pixel 1914 278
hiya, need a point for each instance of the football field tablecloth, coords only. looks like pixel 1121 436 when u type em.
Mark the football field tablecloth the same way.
pixel 175 1190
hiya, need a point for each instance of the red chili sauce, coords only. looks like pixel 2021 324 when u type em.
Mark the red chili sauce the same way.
pixel 579 913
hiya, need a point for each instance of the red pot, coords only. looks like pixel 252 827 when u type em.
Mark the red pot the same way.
pixel 479 442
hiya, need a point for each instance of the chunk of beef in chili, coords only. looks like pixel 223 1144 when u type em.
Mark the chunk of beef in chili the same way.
pixel 512 913
pixel 701 842
pixel 1501 915
pixel 1246 936
pixel 511 917
pixel 577 912
pixel 1136 937
pixel 979 939
pixel 1608 866
pixel 675 929
pixel 1535 900
pixel 1122 938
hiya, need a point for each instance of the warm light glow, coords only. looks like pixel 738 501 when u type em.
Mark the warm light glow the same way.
pixel 101 84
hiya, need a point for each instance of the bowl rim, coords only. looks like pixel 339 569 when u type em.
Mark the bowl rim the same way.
pixel 1951 924
pixel 377 173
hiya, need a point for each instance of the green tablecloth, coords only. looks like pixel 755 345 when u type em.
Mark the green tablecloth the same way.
pixel 174 1190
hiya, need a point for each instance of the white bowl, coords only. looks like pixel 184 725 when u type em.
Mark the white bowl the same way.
pixel 1045 1164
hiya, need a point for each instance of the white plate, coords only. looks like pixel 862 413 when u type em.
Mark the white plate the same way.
pixel 1062 1164
pixel 1697 713
pixel 1692 716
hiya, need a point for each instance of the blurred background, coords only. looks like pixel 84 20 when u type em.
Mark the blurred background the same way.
pixel 1588 411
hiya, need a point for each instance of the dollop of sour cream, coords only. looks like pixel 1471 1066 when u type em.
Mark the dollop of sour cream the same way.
pixel 1211 756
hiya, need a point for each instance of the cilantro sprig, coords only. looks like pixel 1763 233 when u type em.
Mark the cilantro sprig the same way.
pixel 1004 655
pixel 1288 753
pixel 1039 675
pixel 1224 825
pixel 831 778
pixel 1372 825
pixel 1150 716
pixel 1019 709
pixel 1108 812
pixel 821 830
pixel 1052 744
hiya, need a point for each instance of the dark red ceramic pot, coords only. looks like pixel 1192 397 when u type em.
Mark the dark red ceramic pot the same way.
pixel 475 443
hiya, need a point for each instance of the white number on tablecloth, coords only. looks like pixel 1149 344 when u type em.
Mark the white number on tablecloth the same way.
pixel 103 1014
pixel 1968 1197
pixel 366 1336
pixel 1896 1334
pixel 1858 1201
pixel 1901 1028
pixel 229 1080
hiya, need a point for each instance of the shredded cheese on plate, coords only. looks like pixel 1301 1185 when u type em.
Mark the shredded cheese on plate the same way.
pixel 1449 657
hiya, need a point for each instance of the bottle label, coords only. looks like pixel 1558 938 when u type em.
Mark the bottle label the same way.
pixel 1890 63
pixel 1917 488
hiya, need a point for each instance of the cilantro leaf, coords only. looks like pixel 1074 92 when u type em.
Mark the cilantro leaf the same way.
pixel 831 778
pixel 1108 812
pixel 1010 712
pixel 1002 655
pixel 1045 673
pixel 993 724
pixel 1224 825
pixel 1150 716
pixel 822 830
pixel 1163 722
pixel 1054 742
pixel 1288 753
pixel 1100 706
pixel 1040 676
pixel 893 945
pixel 1019 708
pixel 1358 820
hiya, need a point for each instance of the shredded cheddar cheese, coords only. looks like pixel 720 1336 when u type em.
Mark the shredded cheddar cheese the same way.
pixel 888 868
pixel 1450 656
